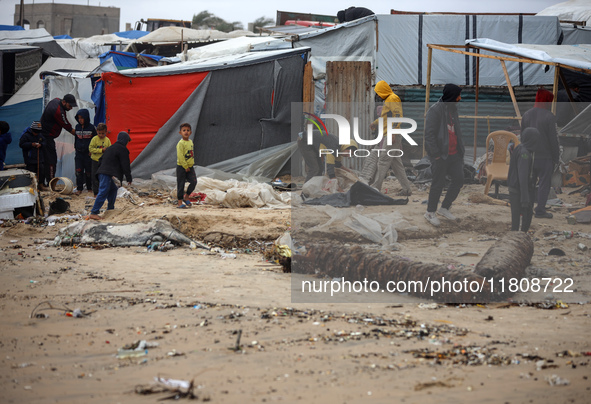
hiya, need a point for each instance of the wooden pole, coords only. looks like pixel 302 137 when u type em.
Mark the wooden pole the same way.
pixel 427 92
pixel 477 84
pixel 510 87
pixel 555 88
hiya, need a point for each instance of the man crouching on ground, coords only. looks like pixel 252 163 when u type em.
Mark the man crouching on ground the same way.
pixel 114 164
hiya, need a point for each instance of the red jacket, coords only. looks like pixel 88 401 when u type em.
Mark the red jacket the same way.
pixel 54 119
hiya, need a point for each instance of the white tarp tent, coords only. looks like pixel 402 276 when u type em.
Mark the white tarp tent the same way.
pixel 578 56
pixel 397 46
pixel 573 10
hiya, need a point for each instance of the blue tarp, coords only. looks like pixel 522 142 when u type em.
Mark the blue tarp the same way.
pixel 11 28
pixel 98 97
pixel 19 117
pixel 132 34
pixel 124 59
pixel 62 37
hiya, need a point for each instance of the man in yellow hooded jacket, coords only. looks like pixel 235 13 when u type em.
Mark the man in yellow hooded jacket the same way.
pixel 392 109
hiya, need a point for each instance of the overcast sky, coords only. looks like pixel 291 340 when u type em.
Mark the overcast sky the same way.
pixel 247 11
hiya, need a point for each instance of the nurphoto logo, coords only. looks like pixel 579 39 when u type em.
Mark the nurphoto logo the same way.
pixel 394 127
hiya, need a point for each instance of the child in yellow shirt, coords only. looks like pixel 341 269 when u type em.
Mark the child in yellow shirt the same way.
pixel 184 168
pixel 97 147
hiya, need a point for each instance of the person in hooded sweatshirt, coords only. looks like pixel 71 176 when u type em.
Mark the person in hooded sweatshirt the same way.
pixel 392 108
pixel 32 142
pixel 114 164
pixel 521 180
pixel 541 118
pixel 444 146
pixel 84 132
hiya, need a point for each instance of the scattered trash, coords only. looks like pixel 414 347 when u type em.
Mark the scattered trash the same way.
pixel 77 313
pixel 180 388
pixel 557 251
pixel 554 380
pixel 468 254
pixel 228 256
pixel 135 350
pixel 582 247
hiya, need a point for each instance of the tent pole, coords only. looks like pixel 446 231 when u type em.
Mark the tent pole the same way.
pixel 476 103
pixel 510 87
pixel 427 92
pixel 555 87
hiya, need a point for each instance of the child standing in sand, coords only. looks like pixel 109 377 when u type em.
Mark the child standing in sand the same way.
pixel 184 168
pixel 97 147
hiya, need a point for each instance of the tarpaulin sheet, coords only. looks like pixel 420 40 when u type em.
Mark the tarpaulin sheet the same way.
pixel 358 194
pixel 142 105
pixel 402 52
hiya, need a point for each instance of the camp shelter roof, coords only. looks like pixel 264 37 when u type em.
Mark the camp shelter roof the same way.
pixel 174 34
pixel 291 29
pixel 236 46
pixel 213 63
pixel 92 46
pixel 34 87
pixel 573 10
pixel 25 36
pixel 132 34
pixel 11 28
pixel 580 125
pixel 574 56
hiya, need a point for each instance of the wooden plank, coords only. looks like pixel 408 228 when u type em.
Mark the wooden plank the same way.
pixel 510 87
pixel 308 90
pixel 427 93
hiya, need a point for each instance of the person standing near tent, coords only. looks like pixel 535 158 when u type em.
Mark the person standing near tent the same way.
pixel 85 131
pixel 32 142
pixel 443 143
pixel 541 118
pixel 392 109
pixel 114 164
pixel 5 140
pixel 53 120
pixel 97 147
pixel 184 168
pixel 520 180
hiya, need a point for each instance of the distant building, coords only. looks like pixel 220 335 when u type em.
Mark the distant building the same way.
pixel 69 19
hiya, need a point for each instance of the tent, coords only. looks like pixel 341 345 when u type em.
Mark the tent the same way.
pixel 396 45
pixel 129 60
pixel 235 104
pixel 26 105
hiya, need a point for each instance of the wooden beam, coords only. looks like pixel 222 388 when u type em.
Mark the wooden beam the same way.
pixel 555 88
pixel 427 92
pixel 477 84
pixel 511 91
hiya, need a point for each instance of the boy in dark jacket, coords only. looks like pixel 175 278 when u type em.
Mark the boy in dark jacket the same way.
pixel 5 140
pixel 32 142
pixel 114 164
pixel 521 180
pixel 85 131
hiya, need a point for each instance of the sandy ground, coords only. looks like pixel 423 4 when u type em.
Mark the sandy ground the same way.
pixel 192 306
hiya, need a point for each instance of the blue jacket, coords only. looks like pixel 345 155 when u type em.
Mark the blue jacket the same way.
pixel 5 140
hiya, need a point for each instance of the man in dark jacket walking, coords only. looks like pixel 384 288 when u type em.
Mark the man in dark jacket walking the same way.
pixel 547 155
pixel 443 143
pixel 520 180
pixel 114 164
pixel 53 120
